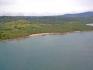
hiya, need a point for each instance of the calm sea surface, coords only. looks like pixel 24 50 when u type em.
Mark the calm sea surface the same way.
pixel 73 51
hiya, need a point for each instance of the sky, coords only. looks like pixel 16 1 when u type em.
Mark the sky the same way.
pixel 44 7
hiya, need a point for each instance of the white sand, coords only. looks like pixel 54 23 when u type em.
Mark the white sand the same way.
pixel 89 24
pixel 43 34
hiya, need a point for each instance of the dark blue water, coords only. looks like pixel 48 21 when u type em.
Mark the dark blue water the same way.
pixel 72 51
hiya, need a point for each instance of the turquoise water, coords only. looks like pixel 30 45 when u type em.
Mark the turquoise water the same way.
pixel 72 51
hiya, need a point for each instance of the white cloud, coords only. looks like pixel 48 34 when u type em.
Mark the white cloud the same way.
pixel 45 7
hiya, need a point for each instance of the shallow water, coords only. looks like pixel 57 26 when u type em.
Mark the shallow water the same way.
pixel 73 51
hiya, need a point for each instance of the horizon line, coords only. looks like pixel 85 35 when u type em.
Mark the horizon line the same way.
pixel 17 14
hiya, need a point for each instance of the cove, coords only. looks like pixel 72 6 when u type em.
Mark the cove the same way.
pixel 72 51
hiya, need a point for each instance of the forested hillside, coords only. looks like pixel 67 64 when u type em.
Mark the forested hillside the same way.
pixel 20 26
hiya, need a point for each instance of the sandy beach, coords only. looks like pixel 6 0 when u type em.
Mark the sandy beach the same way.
pixel 43 34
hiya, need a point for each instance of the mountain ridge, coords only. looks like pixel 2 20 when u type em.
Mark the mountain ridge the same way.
pixel 85 17
pixel 83 14
pixel 87 13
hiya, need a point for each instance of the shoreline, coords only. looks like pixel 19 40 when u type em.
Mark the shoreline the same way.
pixel 44 34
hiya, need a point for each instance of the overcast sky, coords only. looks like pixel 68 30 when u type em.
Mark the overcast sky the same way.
pixel 44 7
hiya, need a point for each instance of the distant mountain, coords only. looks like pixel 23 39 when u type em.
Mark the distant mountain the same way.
pixel 86 17
pixel 84 14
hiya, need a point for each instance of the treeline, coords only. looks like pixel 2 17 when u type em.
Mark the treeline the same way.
pixel 48 19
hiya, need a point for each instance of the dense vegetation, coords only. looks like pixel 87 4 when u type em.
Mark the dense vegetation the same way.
pixel 20 26
pixel 23 27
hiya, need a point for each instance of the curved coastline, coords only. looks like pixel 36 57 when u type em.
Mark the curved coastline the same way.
pixel 44 34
